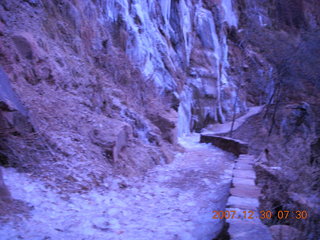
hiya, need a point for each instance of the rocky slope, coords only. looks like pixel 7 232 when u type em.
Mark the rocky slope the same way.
pixel 91 89
pixel 83 70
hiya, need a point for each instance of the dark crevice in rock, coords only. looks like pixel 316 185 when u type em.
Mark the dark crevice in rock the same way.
pixel 224 234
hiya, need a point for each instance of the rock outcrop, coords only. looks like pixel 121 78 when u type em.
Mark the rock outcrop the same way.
pixel 5 196
pixel 112 136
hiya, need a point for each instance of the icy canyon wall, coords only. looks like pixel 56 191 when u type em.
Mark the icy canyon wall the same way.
pixel 110 84
pixel 181 46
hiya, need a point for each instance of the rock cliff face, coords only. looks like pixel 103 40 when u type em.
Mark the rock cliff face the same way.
pixel 95 88
pixel 84 69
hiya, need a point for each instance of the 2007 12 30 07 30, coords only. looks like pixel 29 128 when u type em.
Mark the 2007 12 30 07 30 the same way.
pixel 250 214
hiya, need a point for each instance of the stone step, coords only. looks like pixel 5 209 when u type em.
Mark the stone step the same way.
pixel 245 163
pixel 244 230
pixel 244 203
pixel 245 191
pixel 244 174
pixel 245 186
pixel 243 166
pixel 244 197
pixel 246 157
pixel 249 161
pixel 243 181
pixel 248 187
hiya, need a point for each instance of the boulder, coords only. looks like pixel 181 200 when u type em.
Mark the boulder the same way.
pixel 13 115
pixel 24 44
pixel 166 122
pixel 9 101
pixel 112 136
pixel 5 196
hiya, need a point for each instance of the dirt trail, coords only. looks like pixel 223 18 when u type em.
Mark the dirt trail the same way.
pixel 173 201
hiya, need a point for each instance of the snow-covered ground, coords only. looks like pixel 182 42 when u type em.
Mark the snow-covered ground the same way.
pixel 173 201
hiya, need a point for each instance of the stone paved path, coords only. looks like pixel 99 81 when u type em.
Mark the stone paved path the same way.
pixel 244 200
pixel 226 127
